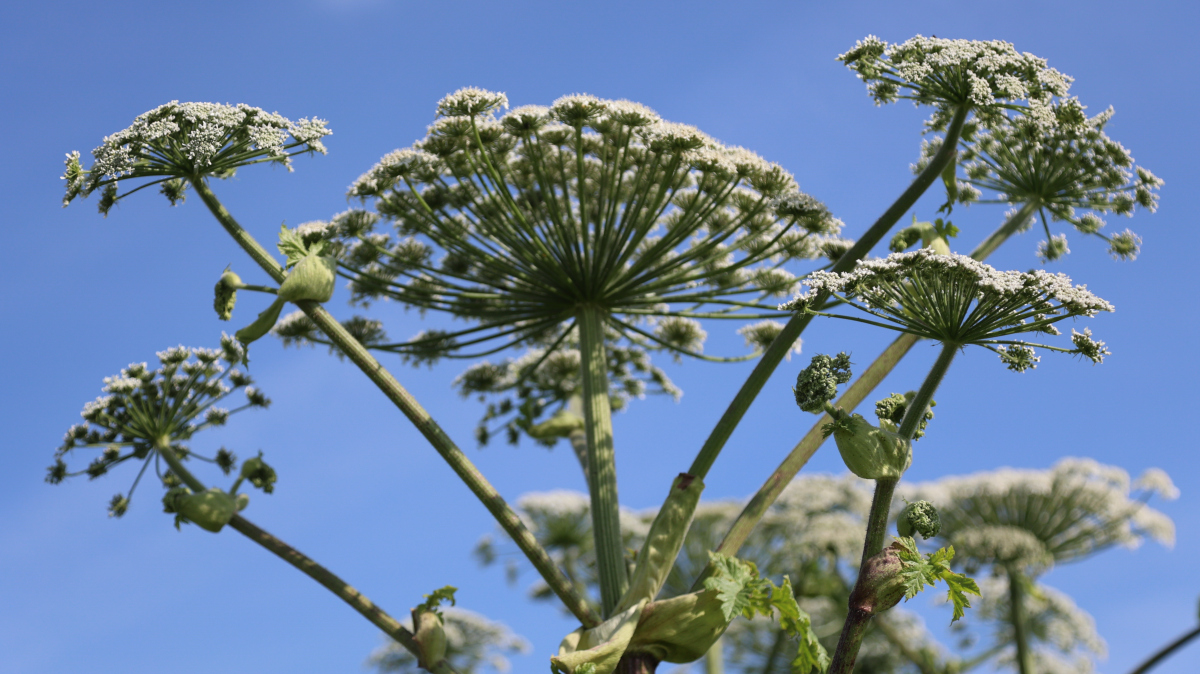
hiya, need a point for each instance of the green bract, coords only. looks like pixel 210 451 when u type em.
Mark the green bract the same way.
pixel 869 452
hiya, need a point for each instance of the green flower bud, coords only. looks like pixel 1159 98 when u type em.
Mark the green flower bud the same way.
pixel 560 425
pixel 880 585
pixel 891 412
pixel 920 517
pixel 312 278
pixel 210 510
pixel 225 294
pixel 259 473
pixel 430 636
pixel 870 452
pixel 817 384
pixel 170 500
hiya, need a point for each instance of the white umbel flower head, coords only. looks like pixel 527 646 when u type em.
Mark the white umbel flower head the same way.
pixel 180 142
pixel 954 299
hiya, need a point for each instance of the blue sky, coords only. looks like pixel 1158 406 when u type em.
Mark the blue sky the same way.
pixel 359 489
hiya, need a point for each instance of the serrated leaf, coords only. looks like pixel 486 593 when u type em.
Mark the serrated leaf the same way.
pixel 291 245
pixel 729 580
pixel 798 625
pixel 959 586
pixel 435 599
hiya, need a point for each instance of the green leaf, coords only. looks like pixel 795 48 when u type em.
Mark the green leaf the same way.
pixel 291 245
pixel 733 580
pixel 798 625
pixel 959 586
pixel 434 600
pixel 919 570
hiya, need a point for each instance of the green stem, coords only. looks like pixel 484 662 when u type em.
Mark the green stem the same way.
pixel 783 343
pixel 400 397
pixel 848 643
pixel 714 659
pixel 1016 615
pixel 754 511
pixel 852 398
pixel 1165 651
pixel 877 521
pixel 601 461
pixel 344 591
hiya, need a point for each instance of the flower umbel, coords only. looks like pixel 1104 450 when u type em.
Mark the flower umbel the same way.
pixel 518 222
pixel 990 76
pixel 957 300
pixel 147 412
pixel 189 141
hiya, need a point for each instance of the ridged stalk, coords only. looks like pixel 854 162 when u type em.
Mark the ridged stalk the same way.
pixel 783 342
pixel 857 620
pixel 852 398
pixel 1016 616
pixel 601 462
pixel 400 397
pixel 344 591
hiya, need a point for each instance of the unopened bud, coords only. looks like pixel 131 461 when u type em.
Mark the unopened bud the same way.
pixel 430 637
pixel 919 517
pixel 225 294
pixel 560 425
pixel 870 452
pixel 210 510
pixel 259 473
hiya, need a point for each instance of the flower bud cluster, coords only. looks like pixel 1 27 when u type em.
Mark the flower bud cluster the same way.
pixel 147 412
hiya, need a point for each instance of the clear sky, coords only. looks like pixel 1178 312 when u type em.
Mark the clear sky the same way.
pixel 359 490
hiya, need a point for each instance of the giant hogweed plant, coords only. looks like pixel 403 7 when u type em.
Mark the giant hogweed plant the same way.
pixel 593 234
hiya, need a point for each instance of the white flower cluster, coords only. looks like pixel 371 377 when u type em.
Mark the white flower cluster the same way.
pixel 985 75
pixel 199 132
pixel 760 335
pixel 1074 509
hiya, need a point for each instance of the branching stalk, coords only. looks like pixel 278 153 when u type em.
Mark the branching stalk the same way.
pixel 877 521
pixel 784 341
pixel 344 591
pixel 462 466
pixel 852 398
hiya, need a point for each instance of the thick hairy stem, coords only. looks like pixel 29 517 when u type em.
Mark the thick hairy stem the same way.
pixel 783 343
pixel 344 591
pixel 1016 616
pixel 1165 651
pixel 400 397
pixel 852 398
pixel 601 462
pixel 578 438
pixel 848 643
pixel 881 504
pixel 638 663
